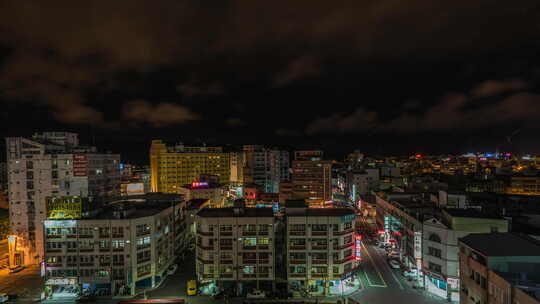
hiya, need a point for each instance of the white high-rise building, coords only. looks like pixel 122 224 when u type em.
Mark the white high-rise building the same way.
pixel 266 167
pixel 47 165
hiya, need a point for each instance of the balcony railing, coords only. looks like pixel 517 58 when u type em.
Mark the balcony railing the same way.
pixel 104 249
pixel 139 247
pixel 222 247
pixel 319 247
pixel 205 261
pixel 206 233
pixel 118 264
pixel 144 260
pixel 86 250
pixel 54 250
pixel 225 233
pixel 118 249
pixel 249 233
pixel 322 261
pixel 226 262
pixel 351 230
pixel 250 261
pixel 343 260
pixel 297 232
pixel 205 247
pixel 302 247
pixel 263 232
pixel 263 247
pixel 297 275
pixel 226 275
pixel 318 275
pixel 319 233
pixel 249 275
pixel 341 247
pixel 267 261
pixel 141 233
pixel 54 236
pixel 295 262
pixel 249 247
pixel 86 236
pixel 104 236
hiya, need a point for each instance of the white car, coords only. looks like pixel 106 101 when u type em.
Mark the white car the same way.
pixel 409 274
pixel 394 264
pixel 4 297
pixel 255 294
pixel 172 269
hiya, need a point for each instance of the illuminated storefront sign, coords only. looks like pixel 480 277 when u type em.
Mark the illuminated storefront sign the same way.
pixel 59 224
pixel 199 185
pixel 348 218
pixel 64 207
pixel 358 247
pixel 66 281
pixel 80 165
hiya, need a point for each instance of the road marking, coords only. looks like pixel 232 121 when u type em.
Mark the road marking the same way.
pixel 395 278
pixel 376 268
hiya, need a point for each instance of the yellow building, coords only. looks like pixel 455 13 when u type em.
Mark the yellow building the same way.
pixel 175 166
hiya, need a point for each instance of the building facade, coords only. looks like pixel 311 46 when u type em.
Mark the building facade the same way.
pixel 311 177
pixel 175 166
pixel 322 248
pixel 492 265
pixel 266 167
pixel 116 249
pixel 52 164
pixel 235 248
pixel 440 247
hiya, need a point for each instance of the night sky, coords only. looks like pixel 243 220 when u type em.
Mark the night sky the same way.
pixel 382 76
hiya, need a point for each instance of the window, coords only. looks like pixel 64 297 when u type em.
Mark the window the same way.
pixel 263 241
pixel 347 253
pixel 298 242
pixel 347 226
pixel 435 238
pixel 434 252
pixel 104 244
pixel 29 185
pixel 298 227
pixel 249 242
pixel 434 267
pixel 335 227
pixel 335 269
pixel 318 256
pixel 54 174
pixel 319 227
pixel 494 229
pixel 225 256
pixel 347 239
pixel 298 256
pixel 225 228
pixel 118 244
pixel 297 269
pixel 347 267
pixel 319 269
pixel 118 231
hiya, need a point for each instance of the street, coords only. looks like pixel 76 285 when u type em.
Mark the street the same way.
pixel 26 284
pixel 385 285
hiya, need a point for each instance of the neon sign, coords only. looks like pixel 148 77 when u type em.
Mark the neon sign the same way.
pixel 357 247
pixel 199 185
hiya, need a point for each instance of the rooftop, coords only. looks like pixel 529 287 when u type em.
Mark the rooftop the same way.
pixel 320 212
pixel 229 212
pixel 503 244
pixel 472 213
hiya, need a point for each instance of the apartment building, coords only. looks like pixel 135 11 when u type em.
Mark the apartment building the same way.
pixel 266 167
pixel 321 248
pixel 115 247
pixel 440 247
pixel 175 166
pixel 52 164
pixel 491 263
pixel 235 248
pixel 311 177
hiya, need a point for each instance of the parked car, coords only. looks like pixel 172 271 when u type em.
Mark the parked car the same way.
pixel 191 287
pixel 255 294
pixel 409 274
pixel 218 296
pixel 4 297
pixel 172 269
pixel 394 264
pixel 16 269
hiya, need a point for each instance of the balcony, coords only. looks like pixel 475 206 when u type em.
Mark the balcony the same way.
pixel 104 236
pixel 249 262
pixel 344 246
pixel 54 264
pixel 71 236
pixel 86 250
pixel 297 275
pixel 225 247
pixel 208 276
pixel 71 264
pixel 226 262
pixel 206 247
pixel 319 261
pixel 144 260
pixel 296 262
pixel 249 247
pixel 298 247
pixel 263 247
pixel 54 236
pixel 86 236
pixel 104 249
pixel 225 233
pixel 267 261
pixel 226 275
pixel 318 275
pixel 139 247
pixel 50 250
pixel 118 264
pixel 343 232
pixel 141 233
pixel 72 250
pixel 118 249
pixel 87 264
pixel 205 261
pixel 319 233
pixel 263 232
pixel 206 233
pixel 117 235
pixel 319 247
pixel 104 264
pixel 297 232
pixel 263 275
pixel 249 275
pixel 344 260
pixel 249 233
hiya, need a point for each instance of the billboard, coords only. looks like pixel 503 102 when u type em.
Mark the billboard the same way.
pixel 64 207
pixel 80 165
pixel 135 189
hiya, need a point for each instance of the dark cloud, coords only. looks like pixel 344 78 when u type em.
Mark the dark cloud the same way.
pixel 300 68
pixel 494 87
pixel 192 90
pixel 453 112
pixel 157 115
pixel 235 122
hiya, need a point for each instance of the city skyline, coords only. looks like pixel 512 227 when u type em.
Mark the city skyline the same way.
pixel 387 79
